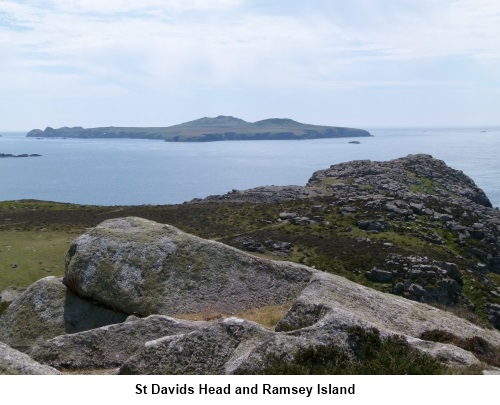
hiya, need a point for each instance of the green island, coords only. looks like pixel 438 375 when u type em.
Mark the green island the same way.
pixel 370 268
pixel 221 128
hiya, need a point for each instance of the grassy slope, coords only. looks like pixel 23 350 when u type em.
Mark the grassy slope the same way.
pixel 26 256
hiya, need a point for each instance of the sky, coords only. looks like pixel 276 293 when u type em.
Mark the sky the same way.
pixel 358 63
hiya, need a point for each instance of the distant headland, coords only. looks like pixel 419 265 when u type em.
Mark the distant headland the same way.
pixel 221 128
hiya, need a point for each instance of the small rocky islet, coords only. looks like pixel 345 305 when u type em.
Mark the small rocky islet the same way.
pixel 428 278
pixel 23 155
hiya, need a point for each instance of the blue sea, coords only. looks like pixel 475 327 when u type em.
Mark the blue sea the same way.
pixel 133 172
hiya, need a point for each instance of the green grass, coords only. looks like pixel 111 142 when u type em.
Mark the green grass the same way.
pixel 26 256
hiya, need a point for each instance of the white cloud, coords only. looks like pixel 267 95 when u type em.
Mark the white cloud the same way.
pixel 66 48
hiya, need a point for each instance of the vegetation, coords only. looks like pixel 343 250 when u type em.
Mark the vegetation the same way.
pixel 267 316
pixel 476 345
pixel 26 256
pixel 369 354
pixel 35 236
pixel 210 129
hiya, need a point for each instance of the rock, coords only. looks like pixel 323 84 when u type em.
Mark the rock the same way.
pixel 304 221
pixel 47 309
pixel 139 266
pixel 379 276
pixel 481 268
pixel 491 371
pixel 372 225
pixel 494 314
pixel 279 245
pixel 447 353
pixel 207 351
pixel 418 291
pixel 348 210
pixel 451 270
pixel 266 194
pixel 250 245
pixel 287 215
pixel 143 267
pixel 327 308
pixel 109 346
pixel 8 295
pixel 13 362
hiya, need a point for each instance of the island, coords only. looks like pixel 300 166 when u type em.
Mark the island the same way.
pixel 221 128
pixel 9 155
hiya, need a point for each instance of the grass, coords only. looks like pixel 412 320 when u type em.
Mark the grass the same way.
pixel 28 256
pixel 267 316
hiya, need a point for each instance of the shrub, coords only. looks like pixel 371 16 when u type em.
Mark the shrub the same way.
pixel 476 345
pixel 370 355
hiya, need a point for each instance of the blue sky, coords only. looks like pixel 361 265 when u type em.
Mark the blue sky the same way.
pixel 357 63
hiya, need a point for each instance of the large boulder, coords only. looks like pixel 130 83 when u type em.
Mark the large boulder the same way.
pixel 328 308
pixel 142 267
pixel 14 362
pixel 331 299
pixel 48 309
pixel 235 346
pixel 109 346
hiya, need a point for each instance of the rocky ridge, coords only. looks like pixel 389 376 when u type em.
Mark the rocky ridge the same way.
pixel 418 197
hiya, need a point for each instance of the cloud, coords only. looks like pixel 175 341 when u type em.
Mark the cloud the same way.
pixel 125 48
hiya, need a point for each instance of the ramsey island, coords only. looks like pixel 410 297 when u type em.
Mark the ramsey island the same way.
pixel 221 128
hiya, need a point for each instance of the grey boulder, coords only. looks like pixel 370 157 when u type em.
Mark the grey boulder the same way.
pixel 14 362
pixel 109 346
pixel 48 309
pixel 142 267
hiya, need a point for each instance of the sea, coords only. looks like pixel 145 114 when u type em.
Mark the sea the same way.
pixel 153 172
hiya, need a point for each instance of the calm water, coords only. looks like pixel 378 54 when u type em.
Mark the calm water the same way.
pixel 127 171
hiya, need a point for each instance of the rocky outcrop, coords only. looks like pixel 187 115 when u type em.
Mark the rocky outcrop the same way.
pixel 417 198
pixel 404 178
pixel 266 194
pixel 48 309
pixel 212 350
pixel 13 362
pixel 413 174
pixel 142 267
pixel 322 315
pixel 109 346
